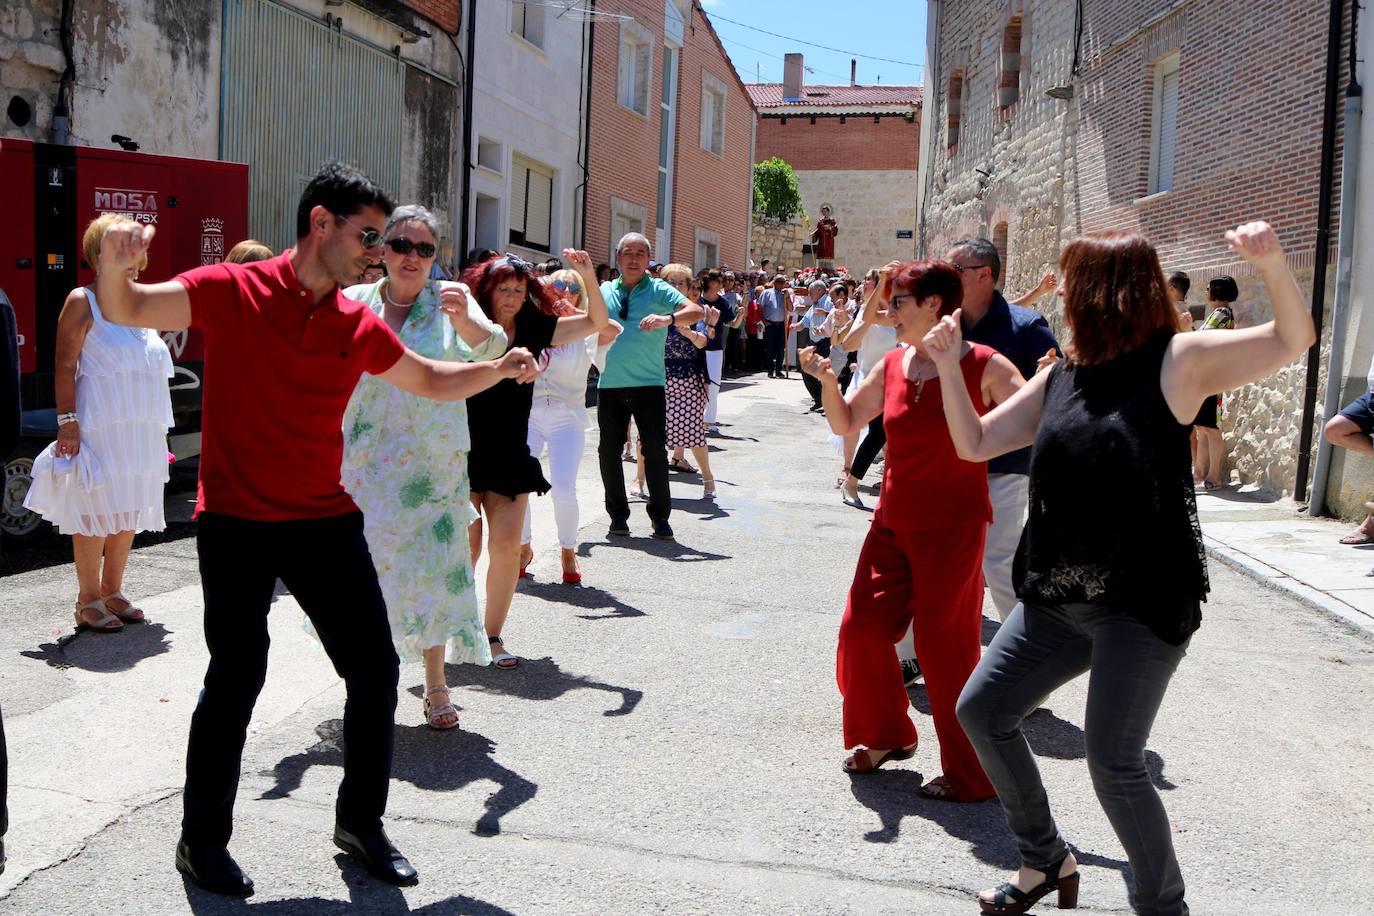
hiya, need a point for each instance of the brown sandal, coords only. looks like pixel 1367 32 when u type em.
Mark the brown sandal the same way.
pixel 445 709
pixel 105 623
pixel 861 761
pixel 938 789
pixel 130 614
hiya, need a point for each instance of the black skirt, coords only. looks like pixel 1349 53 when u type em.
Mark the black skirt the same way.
pixel 1207 414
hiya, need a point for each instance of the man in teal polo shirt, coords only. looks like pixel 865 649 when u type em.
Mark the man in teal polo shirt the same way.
pixel 631 385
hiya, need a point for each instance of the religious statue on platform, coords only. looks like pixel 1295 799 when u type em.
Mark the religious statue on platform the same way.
pixel 823 238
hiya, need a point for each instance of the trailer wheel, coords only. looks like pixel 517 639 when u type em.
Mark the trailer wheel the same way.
pixel 15 520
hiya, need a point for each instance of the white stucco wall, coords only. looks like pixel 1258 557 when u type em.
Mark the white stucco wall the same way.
pixel 526 99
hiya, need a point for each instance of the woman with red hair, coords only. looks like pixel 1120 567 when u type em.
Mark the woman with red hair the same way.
pixel 501 469
pixel 1121 601
pixel 921 563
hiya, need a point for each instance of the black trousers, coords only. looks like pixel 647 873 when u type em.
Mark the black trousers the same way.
pixel 869 448
pixel 774 345
pixel 4 780
pixel 813 385
pixel 648 407
pixel 326 565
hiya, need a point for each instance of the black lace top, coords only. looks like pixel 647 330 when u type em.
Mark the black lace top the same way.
pixel 1112 514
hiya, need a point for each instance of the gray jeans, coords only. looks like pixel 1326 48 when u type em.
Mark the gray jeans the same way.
pixel 1038 649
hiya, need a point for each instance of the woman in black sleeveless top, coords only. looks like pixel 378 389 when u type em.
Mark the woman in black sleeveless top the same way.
pixel 1118 600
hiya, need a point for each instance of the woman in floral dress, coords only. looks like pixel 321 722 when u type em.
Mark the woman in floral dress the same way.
pixel 405 463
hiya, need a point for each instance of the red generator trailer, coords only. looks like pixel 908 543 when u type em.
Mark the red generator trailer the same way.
pixel 200 209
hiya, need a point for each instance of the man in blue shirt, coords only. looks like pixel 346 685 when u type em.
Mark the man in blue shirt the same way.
pixel 810 325
pixel 631 385
pixel 1023 336
pixel 774 304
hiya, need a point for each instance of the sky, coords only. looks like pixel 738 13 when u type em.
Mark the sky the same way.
pixel 892 29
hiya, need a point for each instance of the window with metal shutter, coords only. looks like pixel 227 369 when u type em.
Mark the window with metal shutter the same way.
pixel 519 186
pixel 531 205
pixel 295 94
pixel 1168 129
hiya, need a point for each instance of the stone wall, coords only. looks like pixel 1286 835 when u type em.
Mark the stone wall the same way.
pixel 1036 173
pixel 870 206
pixel 779 242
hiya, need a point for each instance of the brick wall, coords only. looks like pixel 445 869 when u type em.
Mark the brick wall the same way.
pixel 892 143
pixel 443 13
pixel 1251 80
pixel 709 191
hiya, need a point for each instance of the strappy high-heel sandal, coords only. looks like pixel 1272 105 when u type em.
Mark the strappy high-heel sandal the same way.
pixel 106 623
pixel 433 713
pixel 708 488
pixel 1009 899
pixel 130 614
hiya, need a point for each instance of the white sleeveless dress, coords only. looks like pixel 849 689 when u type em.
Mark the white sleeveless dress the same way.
pixel 124 407
pixel 878 339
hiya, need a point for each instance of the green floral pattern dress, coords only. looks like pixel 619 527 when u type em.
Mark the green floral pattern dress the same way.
pixel 406 466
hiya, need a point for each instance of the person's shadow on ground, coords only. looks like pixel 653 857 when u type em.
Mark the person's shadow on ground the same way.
pixel 535 679
pixel 1050 736
pixel 104 653
pixel 427 759
pixel 581 596
pixel 668 550
pixel 366 895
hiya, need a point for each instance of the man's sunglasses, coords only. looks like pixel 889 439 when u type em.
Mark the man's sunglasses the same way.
pixel 567 286
pixel 963 267
pixel 369 237
pixel 404 247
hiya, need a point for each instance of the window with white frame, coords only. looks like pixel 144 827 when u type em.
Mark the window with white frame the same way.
pixel 531 204
pixel 707 249
pixel 527 21
pixel 1164 125
pixel 626 217
pixel 712 114
pixel 490 154
pixel 636 63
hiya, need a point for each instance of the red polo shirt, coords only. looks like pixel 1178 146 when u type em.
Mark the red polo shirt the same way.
pixel 279 371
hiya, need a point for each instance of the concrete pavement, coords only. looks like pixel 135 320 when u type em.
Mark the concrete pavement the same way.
pixel 671 742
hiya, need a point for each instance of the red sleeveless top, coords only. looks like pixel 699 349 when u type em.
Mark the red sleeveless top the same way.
pixel 925 483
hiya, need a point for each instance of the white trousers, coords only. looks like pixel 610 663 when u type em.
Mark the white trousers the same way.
pixel 561 429
pixel 714 359
pixel 1008 493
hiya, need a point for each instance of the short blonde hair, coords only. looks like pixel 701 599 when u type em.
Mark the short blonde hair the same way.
pixel 675 269
pixel 95 234
pixel 569 276
pixel 248 251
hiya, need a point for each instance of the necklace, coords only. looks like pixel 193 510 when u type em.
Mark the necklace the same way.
pixel 386 296
pixel 916 361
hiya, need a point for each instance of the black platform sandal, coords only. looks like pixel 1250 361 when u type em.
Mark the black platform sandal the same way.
pixel 1010 899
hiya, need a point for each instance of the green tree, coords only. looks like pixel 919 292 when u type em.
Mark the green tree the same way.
pixel 775 190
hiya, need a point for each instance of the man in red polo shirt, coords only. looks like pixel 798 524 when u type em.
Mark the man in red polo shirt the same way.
pixel 283 352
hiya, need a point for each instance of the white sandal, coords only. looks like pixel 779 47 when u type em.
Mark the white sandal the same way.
pixel 502 659
pixel 131 614
pixel 433 713
pixel 108 623
pixel 708 488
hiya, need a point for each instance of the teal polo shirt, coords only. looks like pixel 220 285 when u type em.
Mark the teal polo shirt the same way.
pixel 636 358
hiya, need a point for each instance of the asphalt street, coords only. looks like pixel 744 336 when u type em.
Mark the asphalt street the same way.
pixel 671 741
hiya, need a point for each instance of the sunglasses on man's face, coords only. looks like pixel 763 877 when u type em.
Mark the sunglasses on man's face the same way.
pixel 369 237
pixel 567 286
pixel 404 247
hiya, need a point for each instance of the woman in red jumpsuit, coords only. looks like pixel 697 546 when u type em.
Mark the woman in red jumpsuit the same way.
pixel 916 566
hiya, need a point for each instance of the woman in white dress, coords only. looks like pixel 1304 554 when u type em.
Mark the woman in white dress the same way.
pixel 871 335
pixel 405 463
pixel 102 480
pixel 559 419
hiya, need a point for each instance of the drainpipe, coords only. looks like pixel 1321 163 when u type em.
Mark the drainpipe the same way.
pixel 749 207
pixel 467 133
pixel 62 110
pixel 1323 252
pixel 1340 311
pixel 929 127
pixel 587 121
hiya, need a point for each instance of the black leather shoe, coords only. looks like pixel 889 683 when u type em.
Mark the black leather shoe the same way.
pixel 375 851
pixel 662 530
pixel 620 528
pixel 911 671
pixel 213 869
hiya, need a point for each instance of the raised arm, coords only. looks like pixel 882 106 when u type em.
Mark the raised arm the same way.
pixel 577 327
pixel 1198 365
pixel 1010 425
pixel 442 381
pixel 164 306
pixel 480 337
pixel 1042 289
pixel 846 416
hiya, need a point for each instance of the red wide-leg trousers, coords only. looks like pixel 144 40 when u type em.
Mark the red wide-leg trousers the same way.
pixel 934 579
